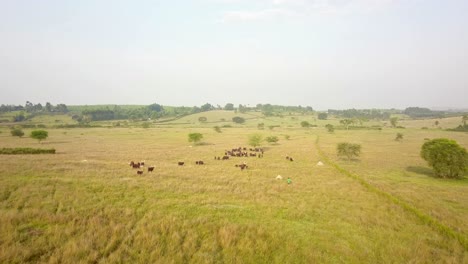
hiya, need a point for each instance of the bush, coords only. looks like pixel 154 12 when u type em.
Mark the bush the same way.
pixel 305 124
pixel 330 128
pixel 202 119
pixel 39 134
pixel 145 125
pixel 217 129
pixel 272 139
pixel 17 132
pixel 17 151
pixel 287 137
pixel 322 116
pixel 255 140
pixel 399 136
pixel 446 157
pixel 238 120
pixel 349 150
pixel 195 137
pixel 261 126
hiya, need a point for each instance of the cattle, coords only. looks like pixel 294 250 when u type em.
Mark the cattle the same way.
pixel 225 157
pixel 142 163
pixel 136 165
pixel 291 159
pixel 279 177
pixel 150 169
pixel 180 163
pixel 139 172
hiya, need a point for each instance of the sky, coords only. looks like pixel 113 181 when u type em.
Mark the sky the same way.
pixel 328 54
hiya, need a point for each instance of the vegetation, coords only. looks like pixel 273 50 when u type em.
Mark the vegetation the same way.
pixel 202 119
pixel 195 137
pixel 238 120
pixel 305 124
pixel 19 151
pixel 346 123
pixel 272 139
pixel 255 140
pixel 348 150
pixel 261 126
pixel 394 121
pixel 39 134
pixel 330 128
pixel 217 129
pixel 446 157
pixel 322 116
pixel 399 137
pixel 17 132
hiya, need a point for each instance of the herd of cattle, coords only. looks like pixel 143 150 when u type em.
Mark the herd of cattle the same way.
pixel 235 152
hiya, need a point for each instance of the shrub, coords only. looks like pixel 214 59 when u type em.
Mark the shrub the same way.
pixel 399 136
pixel 261 126
pixel 145 125
pixel 349 150
pixel 330 128
pixel 255 140
pixel 17 151
pixel 17 132
pixel 446 157
pixel 322 116
pixel 39 134
pixel 202 119
pixel 287 137
pixel 272 139
pixel 305 124
pixel 238 120
pixel 217 129
pixel 195 137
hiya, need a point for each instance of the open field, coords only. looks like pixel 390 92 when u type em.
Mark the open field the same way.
pixel 85 204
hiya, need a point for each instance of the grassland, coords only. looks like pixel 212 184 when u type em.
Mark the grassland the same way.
pixel 85 204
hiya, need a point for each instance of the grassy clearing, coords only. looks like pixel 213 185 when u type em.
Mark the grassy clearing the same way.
pixel 87 205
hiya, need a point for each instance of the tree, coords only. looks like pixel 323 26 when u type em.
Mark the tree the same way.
pixel 229 107
pixel 322 116
pixel 206 107
pixel 446 157
pixel 17 132
pixel 348 149
pixel 255 140
pixel 155 107
pixel 399 136
pixel 195 137
pixel 272 139
pixel 436 123
pixel 464 120
pixel 394 121
pixel 48 107
pixel 305 124
pixel 346 122
pixel 238 119
pixel 39 135
pixel 330 128
pixel 202 119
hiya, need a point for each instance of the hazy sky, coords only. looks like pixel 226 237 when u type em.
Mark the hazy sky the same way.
pixel 319 53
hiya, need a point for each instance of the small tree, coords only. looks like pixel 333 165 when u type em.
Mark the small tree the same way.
pixel 322 116
pixel 330 128
pixel 217 129
pixel 399 136
pixel 17 132
pixel 195 137
pixel 348 149
pixel 394 121
pixel 238 120
pixel 39 135
pixel 202 119
pixel 272 139
pixel 255 140
pixel 346 123
pixel 436 123
pixel 305 124
pixel 446 157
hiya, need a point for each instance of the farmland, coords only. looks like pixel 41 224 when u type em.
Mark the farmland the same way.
pixel 85 204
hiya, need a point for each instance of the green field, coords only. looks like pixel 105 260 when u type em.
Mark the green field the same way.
pixel 85 204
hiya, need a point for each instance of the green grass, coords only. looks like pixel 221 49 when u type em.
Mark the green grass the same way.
pixel 85 204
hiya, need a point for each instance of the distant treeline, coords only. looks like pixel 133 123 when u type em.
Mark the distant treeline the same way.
pixel 30 110
pixel 363 113
pixel 19 151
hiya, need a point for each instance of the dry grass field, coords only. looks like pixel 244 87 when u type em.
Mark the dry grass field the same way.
pixel 85 204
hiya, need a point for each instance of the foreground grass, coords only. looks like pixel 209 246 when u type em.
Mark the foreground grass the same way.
pixel 86 205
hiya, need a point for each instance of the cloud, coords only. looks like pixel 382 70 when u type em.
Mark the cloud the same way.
pixel 262 15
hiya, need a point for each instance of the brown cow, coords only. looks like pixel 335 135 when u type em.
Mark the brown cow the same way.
pixel 150 169
pixel 139 172
pixel 180 163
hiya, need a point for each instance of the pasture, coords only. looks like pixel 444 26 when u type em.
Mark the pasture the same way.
pixel 86 204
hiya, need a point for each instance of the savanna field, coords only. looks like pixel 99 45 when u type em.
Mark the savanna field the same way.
pixel 85 204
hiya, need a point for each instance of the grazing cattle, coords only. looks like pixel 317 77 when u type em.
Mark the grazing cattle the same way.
pixel 225 157
pixel 243 166
pixel 132 163
pixel 136 165
pixel 279 177
pixel 142 163
pixel 200 162
pixel 150 169
pixel 291 159
pixel 180 163
pixel 139 172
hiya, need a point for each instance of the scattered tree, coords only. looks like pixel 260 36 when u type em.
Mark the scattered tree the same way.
pixel 330 128
pixel 305 124
pixel 255 140
pixel 348 149
pixel 436 123
pixel 394 121
pixel 17 132
pixel 346 122
pixel 202 119
pixel 399 136
pixel 229 107
pixel 39 135
pixel 272 139
pixel 322 116
pixel 238 120
pixel 195 137
pixel 446 157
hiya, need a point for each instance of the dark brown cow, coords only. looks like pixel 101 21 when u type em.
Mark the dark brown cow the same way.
pixel 150 169
pixel 139 172
pixel 180 163
pixel 136 165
